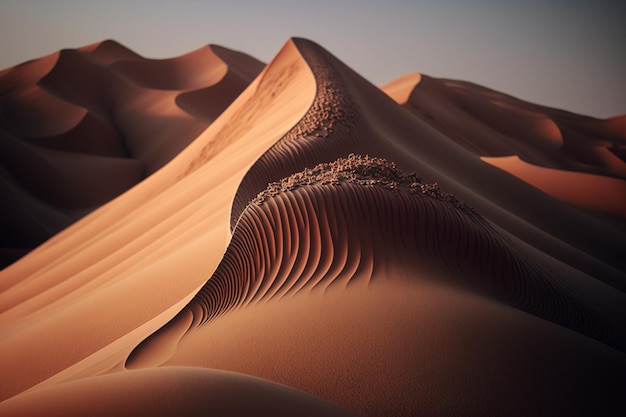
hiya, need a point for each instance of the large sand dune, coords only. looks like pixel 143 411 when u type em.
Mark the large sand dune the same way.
pixel 289 239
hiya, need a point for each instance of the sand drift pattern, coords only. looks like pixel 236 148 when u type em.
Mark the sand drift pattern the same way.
pixel 343 223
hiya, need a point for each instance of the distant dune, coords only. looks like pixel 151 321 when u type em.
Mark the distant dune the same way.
pixel 211 235
pixel 80 127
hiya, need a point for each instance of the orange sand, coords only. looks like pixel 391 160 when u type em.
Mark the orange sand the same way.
pixel 201 236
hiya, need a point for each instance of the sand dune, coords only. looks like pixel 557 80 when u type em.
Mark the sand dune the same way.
pixel 490 123
pixel 494 125
pixel 360 225
pixel 125 115
pixel 432 247
pixel 347 220
pixel 173 216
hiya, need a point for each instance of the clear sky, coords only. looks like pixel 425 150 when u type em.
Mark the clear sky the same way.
pixel 569 54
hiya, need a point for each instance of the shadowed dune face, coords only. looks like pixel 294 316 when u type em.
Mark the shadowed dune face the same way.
pixel 355 226
pixel 491 124
pixel 258 244
pixel 110 118
pixel 335 224
pixel 351 115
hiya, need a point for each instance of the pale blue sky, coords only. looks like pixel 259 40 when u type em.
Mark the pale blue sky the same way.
pixel 566 54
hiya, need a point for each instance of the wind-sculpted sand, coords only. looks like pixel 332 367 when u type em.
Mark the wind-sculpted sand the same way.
pixel 80 127
pixel 292 240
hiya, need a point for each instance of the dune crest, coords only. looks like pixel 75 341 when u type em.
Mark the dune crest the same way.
pixel 172 213
pixel 351 115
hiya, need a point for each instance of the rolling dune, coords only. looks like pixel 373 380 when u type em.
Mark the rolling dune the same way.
pixel 171 217
pixel 494 124
pixel 124 115
pixel 229 238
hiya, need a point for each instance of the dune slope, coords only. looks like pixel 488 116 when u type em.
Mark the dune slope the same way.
pixel 63 289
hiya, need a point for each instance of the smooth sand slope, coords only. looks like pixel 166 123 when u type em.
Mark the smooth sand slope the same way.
pixel 289 260
pixel 176 221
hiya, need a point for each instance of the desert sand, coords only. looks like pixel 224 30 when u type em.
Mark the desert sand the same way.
pixel 209 235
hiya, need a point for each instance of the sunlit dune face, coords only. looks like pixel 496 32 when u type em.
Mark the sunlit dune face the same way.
pixel 400 89
pixel 605 195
